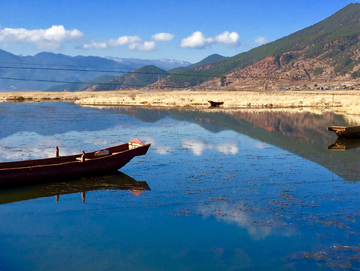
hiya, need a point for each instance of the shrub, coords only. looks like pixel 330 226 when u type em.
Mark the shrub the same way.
pixel 356 74
pixel 318 71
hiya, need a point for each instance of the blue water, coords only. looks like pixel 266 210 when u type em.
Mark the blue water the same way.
pixel 219 199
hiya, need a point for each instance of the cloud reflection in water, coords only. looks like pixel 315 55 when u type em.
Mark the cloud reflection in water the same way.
pixel 199 146
pixel 258 225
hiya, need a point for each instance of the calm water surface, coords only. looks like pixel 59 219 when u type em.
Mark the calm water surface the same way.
pixel 238 191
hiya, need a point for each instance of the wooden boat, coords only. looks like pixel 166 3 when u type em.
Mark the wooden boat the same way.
pixel 346 132
pixel 116 181
pixel 215 104
pixel 29 172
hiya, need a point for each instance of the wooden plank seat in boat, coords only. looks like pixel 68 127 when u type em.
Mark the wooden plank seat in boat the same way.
pixel 87 159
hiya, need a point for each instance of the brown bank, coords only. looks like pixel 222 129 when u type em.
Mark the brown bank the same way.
pixel 338 101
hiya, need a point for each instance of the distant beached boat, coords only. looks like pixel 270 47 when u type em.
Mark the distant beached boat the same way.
pixel 346 132
pixel 215 104
pixel 29 172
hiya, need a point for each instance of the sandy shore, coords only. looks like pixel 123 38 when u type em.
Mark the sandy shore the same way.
pixel 339 101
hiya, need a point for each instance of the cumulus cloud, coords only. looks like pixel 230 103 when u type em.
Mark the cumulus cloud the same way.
pixel 261 40
pixel 97 45
pixel 142 46
pixel 196 40
pixel 133 43
pixel 228 38
pixel 199 40
pixel 163 37
pixel 125 40
pixel 50 38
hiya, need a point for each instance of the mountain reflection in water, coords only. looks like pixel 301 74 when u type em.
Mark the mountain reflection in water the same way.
pixel 301 133
pixel 117 181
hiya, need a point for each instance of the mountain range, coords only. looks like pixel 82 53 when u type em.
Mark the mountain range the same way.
pixel 326 53
pixel 45 70
pixel 322 54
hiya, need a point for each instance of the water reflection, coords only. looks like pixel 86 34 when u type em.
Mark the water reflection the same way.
pixel 225 200
pixel 301 133
pixel 199 146
pixel 116 181
pixel 343 144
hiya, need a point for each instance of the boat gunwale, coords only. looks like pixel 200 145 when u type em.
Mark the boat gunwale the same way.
pixel 71 159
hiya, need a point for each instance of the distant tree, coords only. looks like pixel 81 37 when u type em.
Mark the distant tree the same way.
pixel 223 81
pixel 355 74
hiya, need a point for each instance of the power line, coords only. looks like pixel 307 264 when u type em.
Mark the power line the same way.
pixel 90 69
pixel 102 71
pixel 66 82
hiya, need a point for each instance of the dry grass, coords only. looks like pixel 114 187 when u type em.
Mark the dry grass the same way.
pixel 342 102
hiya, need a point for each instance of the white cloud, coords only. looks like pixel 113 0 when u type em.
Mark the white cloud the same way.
pixel 199 40
pixel 50 38
pixel 196 40
pixel 261 40
pixel 228 38
pixel 97 45
pixel 142 46
pixel 133 43
pixel 163 37
pixel 125 40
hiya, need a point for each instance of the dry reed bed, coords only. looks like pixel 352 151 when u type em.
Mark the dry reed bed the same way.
pixel 344 102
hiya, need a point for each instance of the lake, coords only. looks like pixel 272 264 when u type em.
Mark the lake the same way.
pixel 236 190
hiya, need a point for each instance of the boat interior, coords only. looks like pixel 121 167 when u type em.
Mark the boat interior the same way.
pixel 66 159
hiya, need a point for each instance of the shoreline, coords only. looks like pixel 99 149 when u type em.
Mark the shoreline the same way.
pixel 338 101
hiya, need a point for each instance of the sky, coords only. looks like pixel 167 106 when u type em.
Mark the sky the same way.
pixel 182 29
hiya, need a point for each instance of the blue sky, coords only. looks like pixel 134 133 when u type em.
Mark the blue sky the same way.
pixel 182 29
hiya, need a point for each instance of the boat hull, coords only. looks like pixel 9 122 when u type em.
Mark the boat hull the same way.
pixel 215 104
pixel 346 132
pixel 46 170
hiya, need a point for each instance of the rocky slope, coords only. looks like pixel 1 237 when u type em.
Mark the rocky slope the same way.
pixel 324 54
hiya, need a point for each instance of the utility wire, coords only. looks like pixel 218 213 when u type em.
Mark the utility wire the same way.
pixel 104 71
pixel 90 69
pixel 75 83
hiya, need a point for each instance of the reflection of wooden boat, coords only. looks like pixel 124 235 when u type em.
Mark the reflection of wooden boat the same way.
pixel 117 181
pixel 45 170
pixel 346 132
pixel 342 144
pixel 215 104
